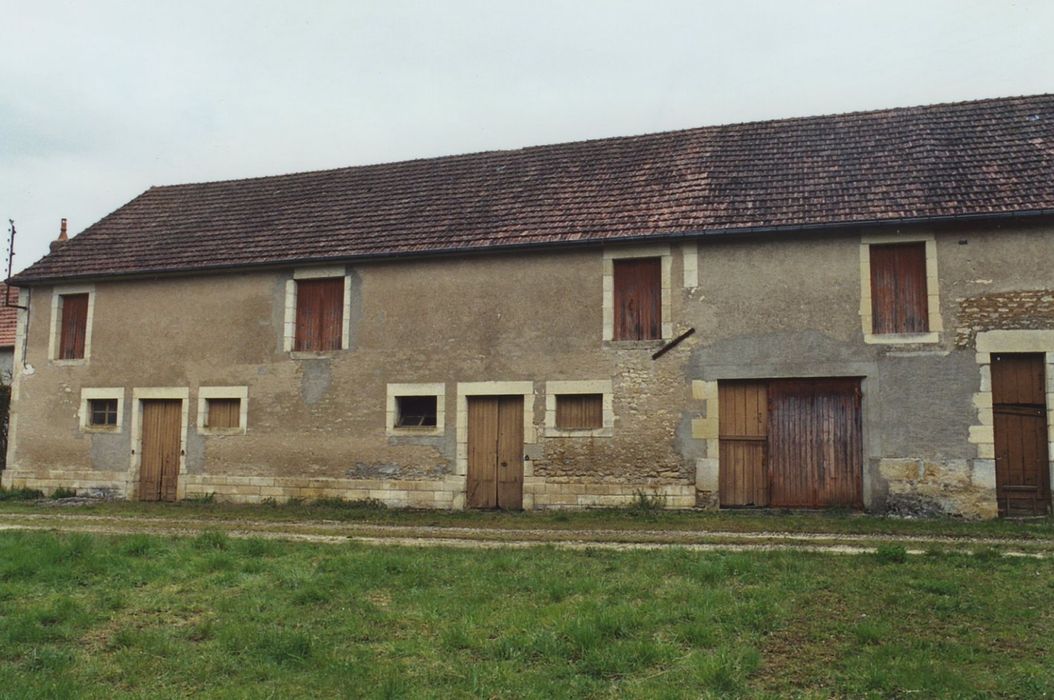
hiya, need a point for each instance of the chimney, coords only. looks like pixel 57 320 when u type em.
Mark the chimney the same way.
pixel 57 243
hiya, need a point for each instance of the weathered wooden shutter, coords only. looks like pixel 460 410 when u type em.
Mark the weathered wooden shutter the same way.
pixel 224 413
pixel 74 326
pixel 319 314
pixel 899 302
pixel 580 411
pixel 638 299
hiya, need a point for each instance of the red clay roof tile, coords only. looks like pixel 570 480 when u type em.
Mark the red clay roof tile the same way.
pixel 987 157
pixel 8 317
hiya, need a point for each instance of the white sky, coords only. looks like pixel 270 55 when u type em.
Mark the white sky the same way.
pixel 99 100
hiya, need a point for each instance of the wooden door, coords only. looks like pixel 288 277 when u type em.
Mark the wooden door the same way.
pixel 743 432
pixel 160 450
pixel 495 452
pixel 1019 414
pixel 814 445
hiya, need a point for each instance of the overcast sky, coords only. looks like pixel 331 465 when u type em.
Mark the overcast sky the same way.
pixel 100 100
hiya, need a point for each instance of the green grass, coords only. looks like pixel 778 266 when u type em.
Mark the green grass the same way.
pixel 641 516
pixel 142 616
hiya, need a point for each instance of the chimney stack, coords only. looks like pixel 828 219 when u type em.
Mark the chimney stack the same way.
pixel 57 243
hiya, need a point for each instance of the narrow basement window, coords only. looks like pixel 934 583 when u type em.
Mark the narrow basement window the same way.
pixel 223 413
pixel 415 411
pixel 579 411
pixel 103 412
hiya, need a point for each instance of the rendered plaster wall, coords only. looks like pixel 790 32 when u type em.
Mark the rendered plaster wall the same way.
pixel 918 398
pixel 318 424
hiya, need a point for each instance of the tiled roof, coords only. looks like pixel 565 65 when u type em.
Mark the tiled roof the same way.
pixel 8 317
pixel 987 157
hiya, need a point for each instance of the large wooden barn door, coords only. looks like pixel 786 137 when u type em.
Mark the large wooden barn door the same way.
pixel 495 452
pixel 743 428
pixel 159 455
pixel 815 448
pixel 791 443
pixel 1019 413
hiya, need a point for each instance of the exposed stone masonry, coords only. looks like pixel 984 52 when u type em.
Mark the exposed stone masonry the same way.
pixel 1024 310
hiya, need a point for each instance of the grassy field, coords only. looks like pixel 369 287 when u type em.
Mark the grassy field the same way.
pixel 142 616
pixel 643 517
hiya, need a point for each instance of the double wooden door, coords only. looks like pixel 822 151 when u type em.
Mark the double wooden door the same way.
pixel 495 452
pixel 160 450
pixel 1019 417
pixel 791 443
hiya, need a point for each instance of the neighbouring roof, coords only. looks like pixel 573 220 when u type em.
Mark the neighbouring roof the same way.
pixel 982 158
pixel 8 317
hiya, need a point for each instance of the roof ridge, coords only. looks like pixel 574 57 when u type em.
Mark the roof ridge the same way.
pixel 608 139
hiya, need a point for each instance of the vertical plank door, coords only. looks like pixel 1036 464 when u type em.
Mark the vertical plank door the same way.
pixel 159 453
pixel 495 452
pixel 510 452
pixel 1019 417
pixel 814 446
pixel 743 432
pixel 482 482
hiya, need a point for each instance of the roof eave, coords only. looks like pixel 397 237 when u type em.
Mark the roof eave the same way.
pixel 825 227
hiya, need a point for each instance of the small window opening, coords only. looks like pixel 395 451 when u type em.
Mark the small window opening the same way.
pixel 415 411
pixel 223 413
pixel 579 411
pixel 103 412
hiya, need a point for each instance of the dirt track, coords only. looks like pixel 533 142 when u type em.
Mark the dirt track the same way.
pixel 336 532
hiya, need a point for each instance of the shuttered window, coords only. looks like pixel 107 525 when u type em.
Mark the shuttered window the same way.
pixel 899 302
pixel 638 299
pixel 579 411
pixel 74 326
pixel 319 314
pixel 223 413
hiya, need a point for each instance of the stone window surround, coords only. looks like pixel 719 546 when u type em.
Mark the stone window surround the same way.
pixel 437 390
pixel 139 394
pixel 289 325
pixel 223 392
pixel 666 264
pixel 982 433
pixel 932 290
pixel 598 386
pixel 56 321
pixel 87 394
pixel 499 388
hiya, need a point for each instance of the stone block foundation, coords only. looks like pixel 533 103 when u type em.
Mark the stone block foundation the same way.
pixel 444 494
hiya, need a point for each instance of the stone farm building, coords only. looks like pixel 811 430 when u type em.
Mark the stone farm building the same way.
pixel 852 310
